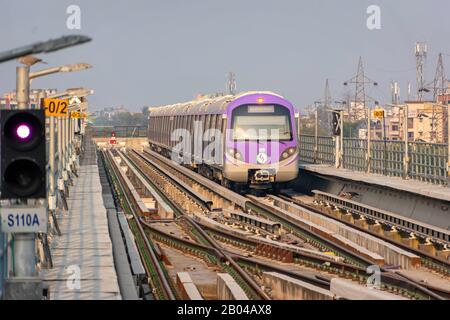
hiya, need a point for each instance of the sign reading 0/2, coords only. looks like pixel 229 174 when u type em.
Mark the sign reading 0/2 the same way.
pixel 56 107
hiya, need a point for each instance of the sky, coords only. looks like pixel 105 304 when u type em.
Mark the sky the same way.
pixel 150 53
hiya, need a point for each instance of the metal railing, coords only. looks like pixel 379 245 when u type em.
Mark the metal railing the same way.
pixel 120 131
pixel 325 152
pixel 426 161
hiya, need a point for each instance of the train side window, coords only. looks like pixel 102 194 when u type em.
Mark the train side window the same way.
pixel 212 125
pixel 170 122
pixel 191 130
pixel 160 128
pixel 207 125
pixel 219 122
pixel 184 122
pixel 155 121
pixel 189 124
pixel 224 125
pixel 176 126
pixel 165 129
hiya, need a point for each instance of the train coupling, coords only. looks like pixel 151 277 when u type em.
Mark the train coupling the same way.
pixel 263 176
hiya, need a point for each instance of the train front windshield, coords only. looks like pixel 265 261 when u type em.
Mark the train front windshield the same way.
pixel 264 123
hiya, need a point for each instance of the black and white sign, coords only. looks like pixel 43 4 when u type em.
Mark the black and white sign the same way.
pixel 23 220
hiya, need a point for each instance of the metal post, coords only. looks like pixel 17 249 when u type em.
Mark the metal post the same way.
pixel 24 282
pixel 299 137
pixel 51 162
pixel 448 145
pixel 341 151
pixel 23 87
pixel 65 147
pixel 384 144
pixel 405 137
pixel 368 154
pixel 60 144
pixel 316 133
pixel 24 243
pixel 337 142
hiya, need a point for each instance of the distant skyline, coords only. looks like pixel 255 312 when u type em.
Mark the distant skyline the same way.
pixel 161 52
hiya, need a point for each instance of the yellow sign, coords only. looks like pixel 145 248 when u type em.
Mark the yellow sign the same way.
pixel 78 115
pixel 378 114
pixel 56 107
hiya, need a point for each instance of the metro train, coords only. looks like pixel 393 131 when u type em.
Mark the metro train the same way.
pixel 254 135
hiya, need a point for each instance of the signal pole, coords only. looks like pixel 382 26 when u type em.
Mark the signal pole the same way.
pixel 368 155
pixel 24 283
pixel 24 243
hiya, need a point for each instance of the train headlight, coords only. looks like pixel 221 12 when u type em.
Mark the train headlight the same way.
pixel 235 154
pixel 287 153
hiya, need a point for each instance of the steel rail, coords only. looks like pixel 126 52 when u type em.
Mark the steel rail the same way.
pixel 419 286
pixel 252 203
pixel 255 287
pixel 164 282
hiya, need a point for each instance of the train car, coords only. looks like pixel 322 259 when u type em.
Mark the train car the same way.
pixel 254 136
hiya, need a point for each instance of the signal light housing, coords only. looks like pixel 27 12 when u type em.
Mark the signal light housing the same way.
pixel 336 123
pixel 23 154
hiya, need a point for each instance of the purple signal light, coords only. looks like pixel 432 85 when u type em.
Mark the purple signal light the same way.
pixel 23 131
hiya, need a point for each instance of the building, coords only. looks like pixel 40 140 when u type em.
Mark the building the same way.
pixel 9 99
pixel 109 112
pixel 427 122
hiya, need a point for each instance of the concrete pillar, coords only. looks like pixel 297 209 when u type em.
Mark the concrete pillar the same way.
pixel 393 234
pixel 411 242
pixel 428 248
pixel 377 228
pixel 444 254
pixel 348 218
pixel 362 223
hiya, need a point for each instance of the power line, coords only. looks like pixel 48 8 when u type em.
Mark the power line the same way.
pixel 359 111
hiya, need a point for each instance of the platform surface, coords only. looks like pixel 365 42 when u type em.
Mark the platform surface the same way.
pixel 85 246
pixel 413 186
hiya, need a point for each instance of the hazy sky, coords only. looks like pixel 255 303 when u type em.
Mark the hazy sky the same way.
pixel 160 52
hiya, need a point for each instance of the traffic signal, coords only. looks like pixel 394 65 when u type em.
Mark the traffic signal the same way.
pixel 23 154
pixel 336 123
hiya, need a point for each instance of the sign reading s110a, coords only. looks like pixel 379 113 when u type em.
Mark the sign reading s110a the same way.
pixel 56 107
pixel 23 220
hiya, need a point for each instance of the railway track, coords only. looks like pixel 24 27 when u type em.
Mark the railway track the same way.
pixel 158 277
pixel 401 223
pixel 225 259
pixel 198 187
pixel 428 261
pixel 198 190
